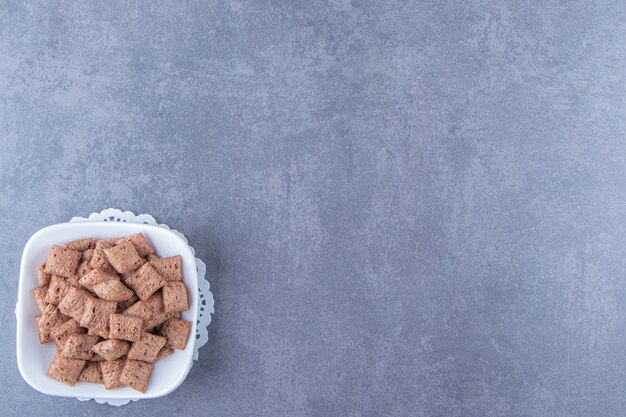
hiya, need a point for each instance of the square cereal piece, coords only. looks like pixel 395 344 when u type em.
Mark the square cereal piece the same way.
pixel 99 259
pixel 176 332
pixel 96 358
pixel 124 305
pixel 91 373
pixel 96 276
pixel 112 290
pixel 170 267
pixel 57 289
pixel 66 370
pixel 96 314
pixel 124 327
pixel 142 244
pixel 164 353
pixel 73 304
pixel 87 255
pixel 65 329
pixel 44 334
pixel 143 247
pixel 40 296
pixel 80 245
pixel 111 371
pixel 62 261
pixel 111 349
pixel 124 257
pixel 78 346
pixel 136 374
pixel 145 281
pixel 140 309
pixel 44 279
pixel 147 348
pixel 155 302
pixel 50 317
pixel 175 297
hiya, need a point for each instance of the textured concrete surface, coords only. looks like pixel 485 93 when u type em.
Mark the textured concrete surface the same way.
pixel 406 208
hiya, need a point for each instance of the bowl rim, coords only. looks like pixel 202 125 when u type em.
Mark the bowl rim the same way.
pixel 20 316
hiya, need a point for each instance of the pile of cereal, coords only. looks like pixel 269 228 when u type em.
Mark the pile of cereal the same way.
pixel 113 309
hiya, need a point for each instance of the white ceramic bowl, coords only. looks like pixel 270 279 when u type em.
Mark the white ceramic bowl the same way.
pixel 33 358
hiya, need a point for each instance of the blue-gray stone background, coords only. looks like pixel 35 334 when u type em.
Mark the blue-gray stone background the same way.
pixel 406 208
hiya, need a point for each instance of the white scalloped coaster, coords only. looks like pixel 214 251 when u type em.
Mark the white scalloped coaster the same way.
pixel 205 304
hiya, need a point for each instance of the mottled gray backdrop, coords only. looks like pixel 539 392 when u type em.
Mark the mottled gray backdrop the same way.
pixel 406 208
